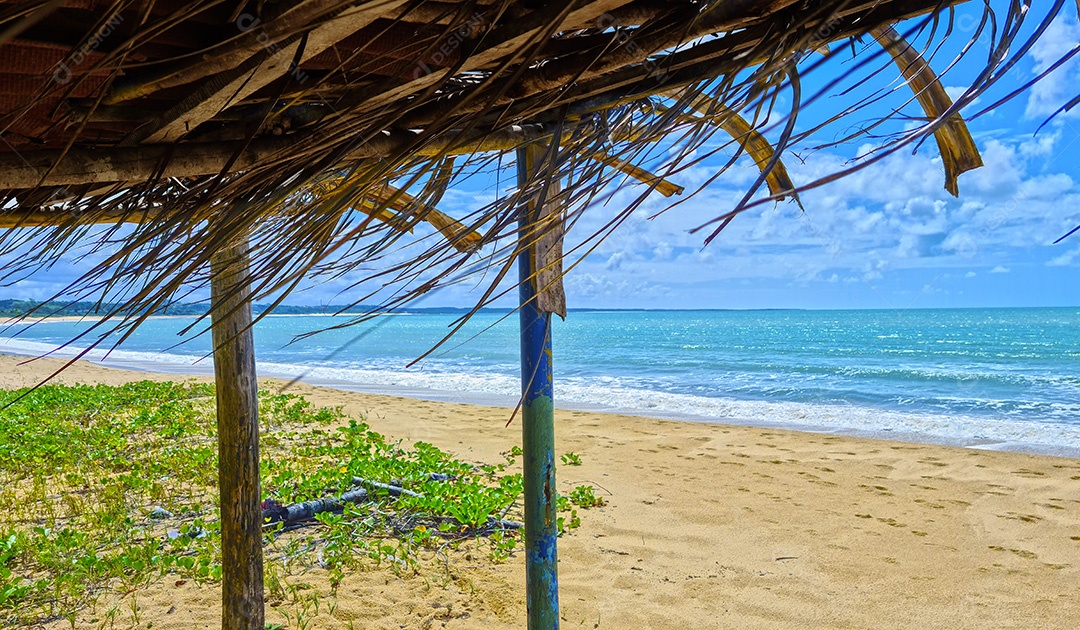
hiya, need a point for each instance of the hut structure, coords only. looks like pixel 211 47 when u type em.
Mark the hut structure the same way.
pixel 253 144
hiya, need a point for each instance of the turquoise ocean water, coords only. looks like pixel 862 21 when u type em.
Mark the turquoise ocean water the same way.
pixel 988 378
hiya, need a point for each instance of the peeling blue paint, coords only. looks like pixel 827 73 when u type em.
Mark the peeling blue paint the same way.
pixel 537 442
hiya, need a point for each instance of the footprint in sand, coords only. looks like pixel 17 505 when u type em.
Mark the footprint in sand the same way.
pixel 1016 516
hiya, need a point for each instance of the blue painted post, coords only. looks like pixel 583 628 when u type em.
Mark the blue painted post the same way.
pixel 537 427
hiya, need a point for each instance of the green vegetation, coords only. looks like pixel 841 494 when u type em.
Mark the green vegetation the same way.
pixel 10 308
pixel 106 489
pixel 18 308
pixel 585 496
pixel 571 459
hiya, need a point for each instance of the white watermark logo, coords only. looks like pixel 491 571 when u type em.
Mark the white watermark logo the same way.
pixel 248 22
pixel 456 38
pixel 62 73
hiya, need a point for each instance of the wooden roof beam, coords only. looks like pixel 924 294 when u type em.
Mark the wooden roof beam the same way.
pixel 400 215
pixel 194 159
pixel 253 36
pixel 624 50
pixel 44 218
pixel 267 63
pixel 709 60
pixel 502 42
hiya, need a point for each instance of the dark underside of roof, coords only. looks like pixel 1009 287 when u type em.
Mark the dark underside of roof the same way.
pixel 322 132
pixel 188 89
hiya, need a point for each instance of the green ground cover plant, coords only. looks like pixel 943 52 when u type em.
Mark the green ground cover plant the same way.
pixel 104 489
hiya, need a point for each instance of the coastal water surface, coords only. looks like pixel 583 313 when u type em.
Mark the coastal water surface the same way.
pixel 988 378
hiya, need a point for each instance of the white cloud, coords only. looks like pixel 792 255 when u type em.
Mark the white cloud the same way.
pixel 586 288
pixel 1059 87
pixel 615 261
pixel 1042 145
pixel 1065 259
pixel 956 91
pixel 887 218
pixel 1000 269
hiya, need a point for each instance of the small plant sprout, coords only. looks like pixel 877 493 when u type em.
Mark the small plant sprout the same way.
pixel 584 496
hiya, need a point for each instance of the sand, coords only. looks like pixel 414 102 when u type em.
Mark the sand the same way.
pixel 713 526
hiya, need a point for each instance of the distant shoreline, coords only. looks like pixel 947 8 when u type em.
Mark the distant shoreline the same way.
pixel 259 309
pixel 97 318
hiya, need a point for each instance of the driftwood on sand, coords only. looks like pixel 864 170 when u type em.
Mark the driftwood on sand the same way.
pixel 296 513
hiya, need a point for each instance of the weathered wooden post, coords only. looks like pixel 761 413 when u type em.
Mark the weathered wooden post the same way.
pixel 540 293
pixel 238 441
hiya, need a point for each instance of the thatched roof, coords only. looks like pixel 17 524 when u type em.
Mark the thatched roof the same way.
pixel 203 123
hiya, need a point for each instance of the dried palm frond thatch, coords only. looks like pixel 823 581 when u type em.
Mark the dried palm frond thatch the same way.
pixel 324 132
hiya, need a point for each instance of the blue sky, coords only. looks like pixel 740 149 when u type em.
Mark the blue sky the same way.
pixel 888 236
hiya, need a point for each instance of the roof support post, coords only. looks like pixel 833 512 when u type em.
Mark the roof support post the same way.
pixel 238 441
pixel 537 420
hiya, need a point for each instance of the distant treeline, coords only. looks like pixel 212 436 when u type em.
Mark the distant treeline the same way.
pixel 18 308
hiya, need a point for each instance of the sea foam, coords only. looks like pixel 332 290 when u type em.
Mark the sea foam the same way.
pixel 499 386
